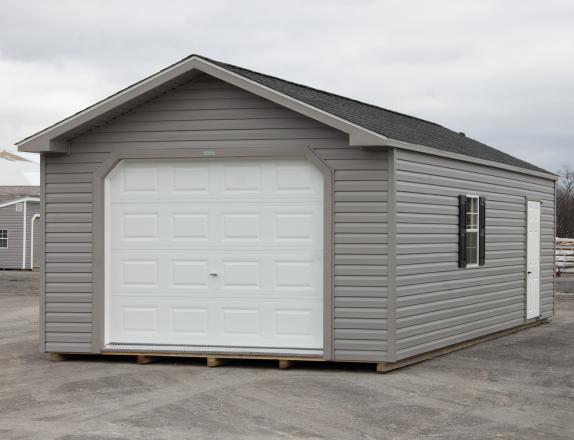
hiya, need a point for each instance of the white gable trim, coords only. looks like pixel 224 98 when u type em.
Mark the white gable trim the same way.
pixel 463 158
pixel 52 139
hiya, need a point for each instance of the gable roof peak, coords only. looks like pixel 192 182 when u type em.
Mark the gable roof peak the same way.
pixel 366 124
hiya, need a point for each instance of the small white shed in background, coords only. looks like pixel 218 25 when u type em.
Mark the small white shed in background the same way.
pixel 20 234
pixel 19 212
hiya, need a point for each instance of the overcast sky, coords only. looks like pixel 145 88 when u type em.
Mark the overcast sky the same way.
pixel 500 71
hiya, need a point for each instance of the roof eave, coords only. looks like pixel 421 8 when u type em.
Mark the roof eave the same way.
pixel 54 139
pixel 390 143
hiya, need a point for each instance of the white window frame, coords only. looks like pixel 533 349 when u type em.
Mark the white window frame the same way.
pixel 473 230
pixel 4 238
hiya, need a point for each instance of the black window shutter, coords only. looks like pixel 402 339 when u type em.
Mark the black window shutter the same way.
pixel 461 231
pixel 481 231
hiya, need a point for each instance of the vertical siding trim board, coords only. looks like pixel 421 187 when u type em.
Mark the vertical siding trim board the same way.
pixel 132 151
pixel 33 232
pixel 24 224
pixel 42 235
pixel 481 231
pixel 329 222
pixel 461 231
pixel 392 257
pixel 525 294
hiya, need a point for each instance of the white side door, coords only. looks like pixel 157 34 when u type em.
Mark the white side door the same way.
pixel 533 261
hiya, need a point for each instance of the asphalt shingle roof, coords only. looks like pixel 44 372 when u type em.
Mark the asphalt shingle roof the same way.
pixel 389 123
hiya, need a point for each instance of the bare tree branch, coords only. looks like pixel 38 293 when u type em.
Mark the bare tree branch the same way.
pixel 565 203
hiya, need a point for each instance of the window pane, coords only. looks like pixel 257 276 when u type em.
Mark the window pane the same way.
pixel 472 213
pixel 471 248
pixel 469 220
pixel 471 205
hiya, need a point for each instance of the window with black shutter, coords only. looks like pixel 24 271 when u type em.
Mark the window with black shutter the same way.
pixel 481 231
pixel 461 231
pixel 3 238
pixel 471 231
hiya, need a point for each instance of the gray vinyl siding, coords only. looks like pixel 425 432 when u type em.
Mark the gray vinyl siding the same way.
pixel 360 229
pixel 209 113
pixel 11 220
pixel 427 303
pixel 438 304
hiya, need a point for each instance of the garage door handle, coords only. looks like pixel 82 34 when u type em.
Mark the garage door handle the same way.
pixel 213 274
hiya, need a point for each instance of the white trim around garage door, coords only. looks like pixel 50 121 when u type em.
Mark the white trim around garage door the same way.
pixel 100 338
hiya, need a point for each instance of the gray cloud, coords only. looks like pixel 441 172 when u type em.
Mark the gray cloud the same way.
pixel 499 71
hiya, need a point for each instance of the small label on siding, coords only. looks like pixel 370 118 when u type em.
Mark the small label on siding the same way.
pixel 209 153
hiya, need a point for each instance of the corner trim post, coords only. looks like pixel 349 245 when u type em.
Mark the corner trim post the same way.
pixel 392 256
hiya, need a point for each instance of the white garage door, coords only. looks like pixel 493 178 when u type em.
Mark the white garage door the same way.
pixel 215 253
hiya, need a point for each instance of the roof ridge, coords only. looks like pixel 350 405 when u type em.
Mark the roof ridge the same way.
pixel 319 90
pixel 459 138
pixel 379 120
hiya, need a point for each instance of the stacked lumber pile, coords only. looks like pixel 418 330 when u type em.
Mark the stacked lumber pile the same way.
pixel 565 255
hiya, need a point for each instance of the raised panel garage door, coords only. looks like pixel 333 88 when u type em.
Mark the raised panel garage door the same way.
pixel 215 253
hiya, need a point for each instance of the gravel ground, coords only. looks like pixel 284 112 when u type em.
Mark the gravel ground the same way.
pixel 516 387
pixel 23 282
pixel 565 284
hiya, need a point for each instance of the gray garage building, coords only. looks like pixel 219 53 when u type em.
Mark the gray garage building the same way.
pixel 210 209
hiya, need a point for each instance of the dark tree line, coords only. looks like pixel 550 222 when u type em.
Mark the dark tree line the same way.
pixel 565 204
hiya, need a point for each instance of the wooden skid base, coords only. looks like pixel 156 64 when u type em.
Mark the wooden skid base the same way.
pixel 385 367
pixel 144 359
pixel 217 362
pixel 57 357
pixel 284 362
pixel 211 361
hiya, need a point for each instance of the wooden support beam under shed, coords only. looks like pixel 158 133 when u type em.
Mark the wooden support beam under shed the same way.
pixel 143 359
pixel 216 362
pixel 285 364
pixel 56 357
pixel 385 367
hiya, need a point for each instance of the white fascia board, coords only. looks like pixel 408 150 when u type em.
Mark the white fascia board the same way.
pixel 45 141
pixel 465 158
pixel 359 136
pixel 24 234
pixel 25 199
